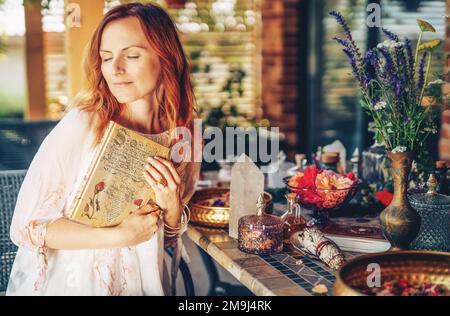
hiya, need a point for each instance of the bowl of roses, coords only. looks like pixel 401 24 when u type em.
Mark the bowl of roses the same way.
pixel 322 191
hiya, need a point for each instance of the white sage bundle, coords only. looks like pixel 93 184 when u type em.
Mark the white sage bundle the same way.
pixel 316 244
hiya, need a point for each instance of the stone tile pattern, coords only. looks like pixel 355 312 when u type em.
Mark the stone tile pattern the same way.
pixel 302 270
pixel 305 275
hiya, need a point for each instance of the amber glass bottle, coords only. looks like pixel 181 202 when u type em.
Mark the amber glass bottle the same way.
pixel 293 221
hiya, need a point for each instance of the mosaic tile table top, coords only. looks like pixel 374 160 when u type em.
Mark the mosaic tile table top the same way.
pixel 285 273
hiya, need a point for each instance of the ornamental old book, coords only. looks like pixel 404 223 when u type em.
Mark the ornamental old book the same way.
pixel 114 183
pixel 357 238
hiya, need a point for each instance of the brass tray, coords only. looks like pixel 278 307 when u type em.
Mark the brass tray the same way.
pixel 216 216
pixel 414 266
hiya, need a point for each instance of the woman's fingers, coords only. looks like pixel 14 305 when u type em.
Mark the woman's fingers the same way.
pixel 153 206
pixel 146 209
pixel 169 165
pixel 149 178
pixel 152 222
pixel 156 174
pixel 151 169
pixel 141 211
pixel 161 172
pixel 153 217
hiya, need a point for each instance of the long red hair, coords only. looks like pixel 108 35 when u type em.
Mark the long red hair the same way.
pixel 178 99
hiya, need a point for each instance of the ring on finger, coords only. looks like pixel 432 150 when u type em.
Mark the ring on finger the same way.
pixel 162 183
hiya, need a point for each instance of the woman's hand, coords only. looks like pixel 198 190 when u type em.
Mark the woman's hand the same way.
pixel 165 182
pixel 139 226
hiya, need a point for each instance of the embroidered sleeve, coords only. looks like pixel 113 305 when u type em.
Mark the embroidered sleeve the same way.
pixel 46 186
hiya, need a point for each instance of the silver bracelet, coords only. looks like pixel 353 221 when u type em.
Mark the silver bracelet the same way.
pixel 170 231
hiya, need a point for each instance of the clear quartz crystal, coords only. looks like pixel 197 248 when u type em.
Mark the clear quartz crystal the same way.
pixel 247 183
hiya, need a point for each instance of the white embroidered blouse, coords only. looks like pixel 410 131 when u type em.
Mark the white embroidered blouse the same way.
pixel 63 157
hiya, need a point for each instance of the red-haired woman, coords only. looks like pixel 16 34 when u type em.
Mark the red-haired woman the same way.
pixel 138 76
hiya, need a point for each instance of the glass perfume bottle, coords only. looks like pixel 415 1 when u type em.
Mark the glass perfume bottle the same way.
pixel 293 220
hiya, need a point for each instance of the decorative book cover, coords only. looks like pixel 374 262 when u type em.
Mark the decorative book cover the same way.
pixel 357 238
pixel 354 231
pixel 114 183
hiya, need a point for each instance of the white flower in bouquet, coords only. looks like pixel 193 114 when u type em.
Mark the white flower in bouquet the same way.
pixel 399 149
pixel 379 105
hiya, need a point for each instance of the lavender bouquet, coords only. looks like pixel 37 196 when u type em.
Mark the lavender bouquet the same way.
pixel 392 81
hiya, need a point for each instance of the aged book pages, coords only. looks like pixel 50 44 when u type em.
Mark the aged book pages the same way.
pixel 114 184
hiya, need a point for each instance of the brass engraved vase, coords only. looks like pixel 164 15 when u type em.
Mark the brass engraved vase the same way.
pixel 400 223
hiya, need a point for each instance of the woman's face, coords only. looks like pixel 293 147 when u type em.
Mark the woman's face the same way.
pixel 130 66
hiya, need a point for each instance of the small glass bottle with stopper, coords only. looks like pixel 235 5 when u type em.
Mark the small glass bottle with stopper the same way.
pixel 300 162
pixel 293 221
pixel 355 162
pixel 260 233
pixel 441 175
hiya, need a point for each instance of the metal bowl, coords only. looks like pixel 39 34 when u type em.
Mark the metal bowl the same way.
pixel 414 266
pixel 216 216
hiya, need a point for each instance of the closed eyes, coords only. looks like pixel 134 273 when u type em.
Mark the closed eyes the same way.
pixel 129 57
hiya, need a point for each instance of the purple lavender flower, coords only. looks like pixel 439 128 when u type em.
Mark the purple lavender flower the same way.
pixel 340 19
pixel 352 57
pixel 353 64
pixel 409 57
pixel 371 57
pixel 389 66
pixel 391 73
pixel 343 42
pixel 402 64
pixel 358 64
pixel 398 88
pixel 421 80
pixel 390 35
pixel 371 62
